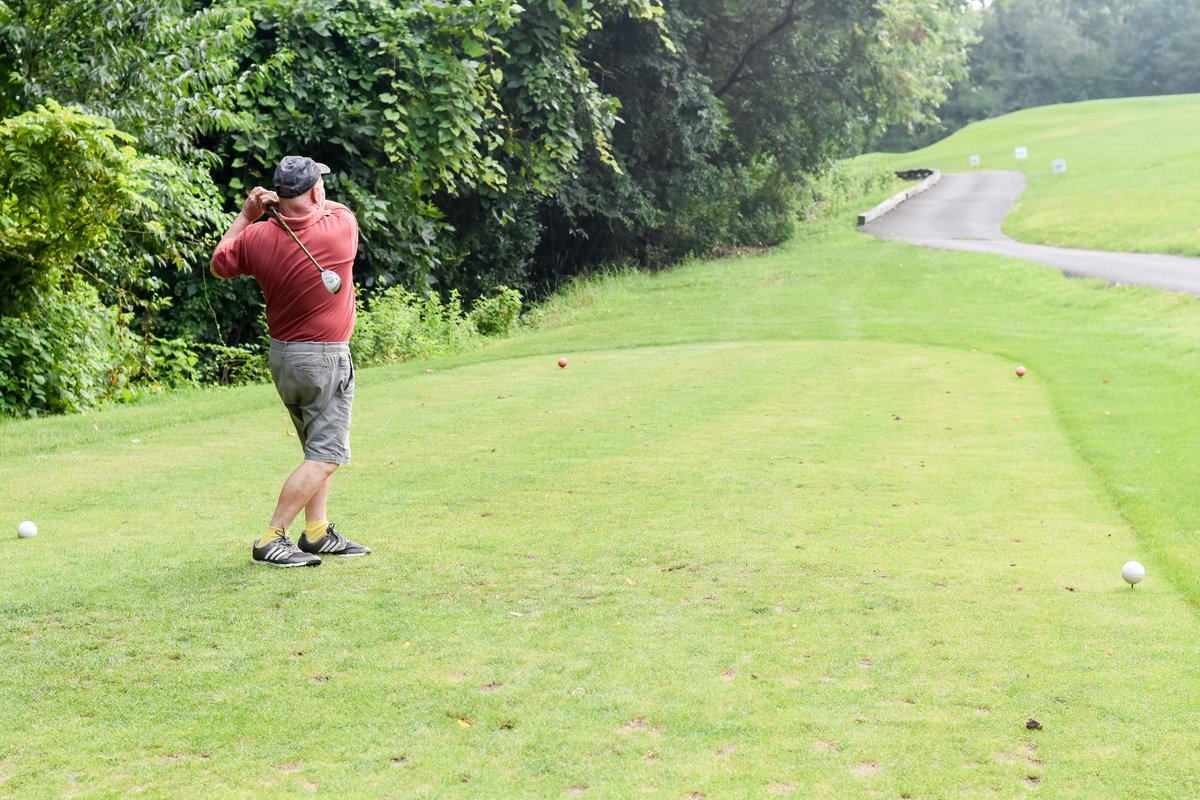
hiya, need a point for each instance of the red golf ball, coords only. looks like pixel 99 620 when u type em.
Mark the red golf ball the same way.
pixel 1020 372
pixel 562 362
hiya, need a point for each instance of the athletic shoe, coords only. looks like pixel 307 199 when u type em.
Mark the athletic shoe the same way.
pixel 332 544
pixel 282 552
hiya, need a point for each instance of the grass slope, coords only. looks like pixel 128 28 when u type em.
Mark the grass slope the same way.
pixel 1130 181
pixel 785 525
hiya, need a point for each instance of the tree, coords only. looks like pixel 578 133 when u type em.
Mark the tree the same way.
pixel 1038 52
pixel 65 177
pixel 1154 47
pixel 807 80
pixel 717 131
pixel 444 124
pixel 163 72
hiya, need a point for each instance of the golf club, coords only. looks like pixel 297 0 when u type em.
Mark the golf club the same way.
pixel 331 280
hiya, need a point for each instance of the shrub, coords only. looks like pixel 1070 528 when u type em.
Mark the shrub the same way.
pixel 496 315
pixel 65 353
pixel 170 363
pixel 232 364
pixel 840 183
pixel 399 325
pixel 84 222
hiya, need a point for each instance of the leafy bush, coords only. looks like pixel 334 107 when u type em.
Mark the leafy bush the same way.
pixel 169 363
pixel 496 315
pixel 65 177
pixel 402 326
pixel 236 364
pixel 65 353
pixel 838 184
pixel 766 210
pixel 736 205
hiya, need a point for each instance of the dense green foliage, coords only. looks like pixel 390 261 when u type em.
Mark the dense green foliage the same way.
pixel 402 326
pixel 1038 52
pixel 66 178
pixel 417 108
pixel 720 129
pixel 105 188
pixel 58 356
pixel 482 145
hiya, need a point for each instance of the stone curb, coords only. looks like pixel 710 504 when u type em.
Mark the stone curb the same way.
pixel 897 199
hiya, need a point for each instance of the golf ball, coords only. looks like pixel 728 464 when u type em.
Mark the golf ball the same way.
pixel 26 529
pixel 1020 372
pixel 562 362
pixel 1133 572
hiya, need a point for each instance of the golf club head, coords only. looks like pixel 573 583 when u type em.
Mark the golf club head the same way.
pixel 331 280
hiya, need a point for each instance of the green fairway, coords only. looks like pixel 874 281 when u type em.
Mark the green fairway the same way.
pixel 785 525
pixel 1130 181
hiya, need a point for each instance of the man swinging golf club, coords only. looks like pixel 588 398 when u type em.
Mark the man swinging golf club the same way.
pixel 310 317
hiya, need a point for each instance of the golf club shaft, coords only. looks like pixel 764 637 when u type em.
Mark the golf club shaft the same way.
pixel 275 213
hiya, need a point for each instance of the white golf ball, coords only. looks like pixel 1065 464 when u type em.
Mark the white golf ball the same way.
pixel 26 529
pixel 1133 572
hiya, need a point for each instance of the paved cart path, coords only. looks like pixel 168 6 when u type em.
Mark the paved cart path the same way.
pixel 964 211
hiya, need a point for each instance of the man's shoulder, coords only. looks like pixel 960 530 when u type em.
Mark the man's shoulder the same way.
pixel 257 232
pixel 340 210
pixel 242 246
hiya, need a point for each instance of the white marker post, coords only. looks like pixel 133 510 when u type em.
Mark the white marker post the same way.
pixel 974 161
pixel 1060 166
pixel 1022 153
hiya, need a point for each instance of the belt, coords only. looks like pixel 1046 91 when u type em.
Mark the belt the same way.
pixel 310 347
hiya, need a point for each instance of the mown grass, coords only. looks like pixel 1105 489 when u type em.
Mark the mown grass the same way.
pixel 1130 179
pixel 785 526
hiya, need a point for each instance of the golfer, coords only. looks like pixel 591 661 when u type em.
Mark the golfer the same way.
pixel 310 331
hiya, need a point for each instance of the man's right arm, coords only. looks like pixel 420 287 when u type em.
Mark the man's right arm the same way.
pixel 254 207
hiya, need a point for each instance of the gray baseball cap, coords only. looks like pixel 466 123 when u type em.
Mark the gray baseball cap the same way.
pixel 295 175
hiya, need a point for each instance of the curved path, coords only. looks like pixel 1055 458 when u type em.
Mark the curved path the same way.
pixel 964 211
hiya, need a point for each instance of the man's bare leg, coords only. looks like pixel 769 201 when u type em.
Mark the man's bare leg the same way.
pixel 301 488
pixel 315 509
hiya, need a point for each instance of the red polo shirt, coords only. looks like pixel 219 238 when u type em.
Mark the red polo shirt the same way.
pixel 299 307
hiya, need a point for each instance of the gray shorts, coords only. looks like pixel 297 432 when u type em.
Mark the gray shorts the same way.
pixel 315 381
